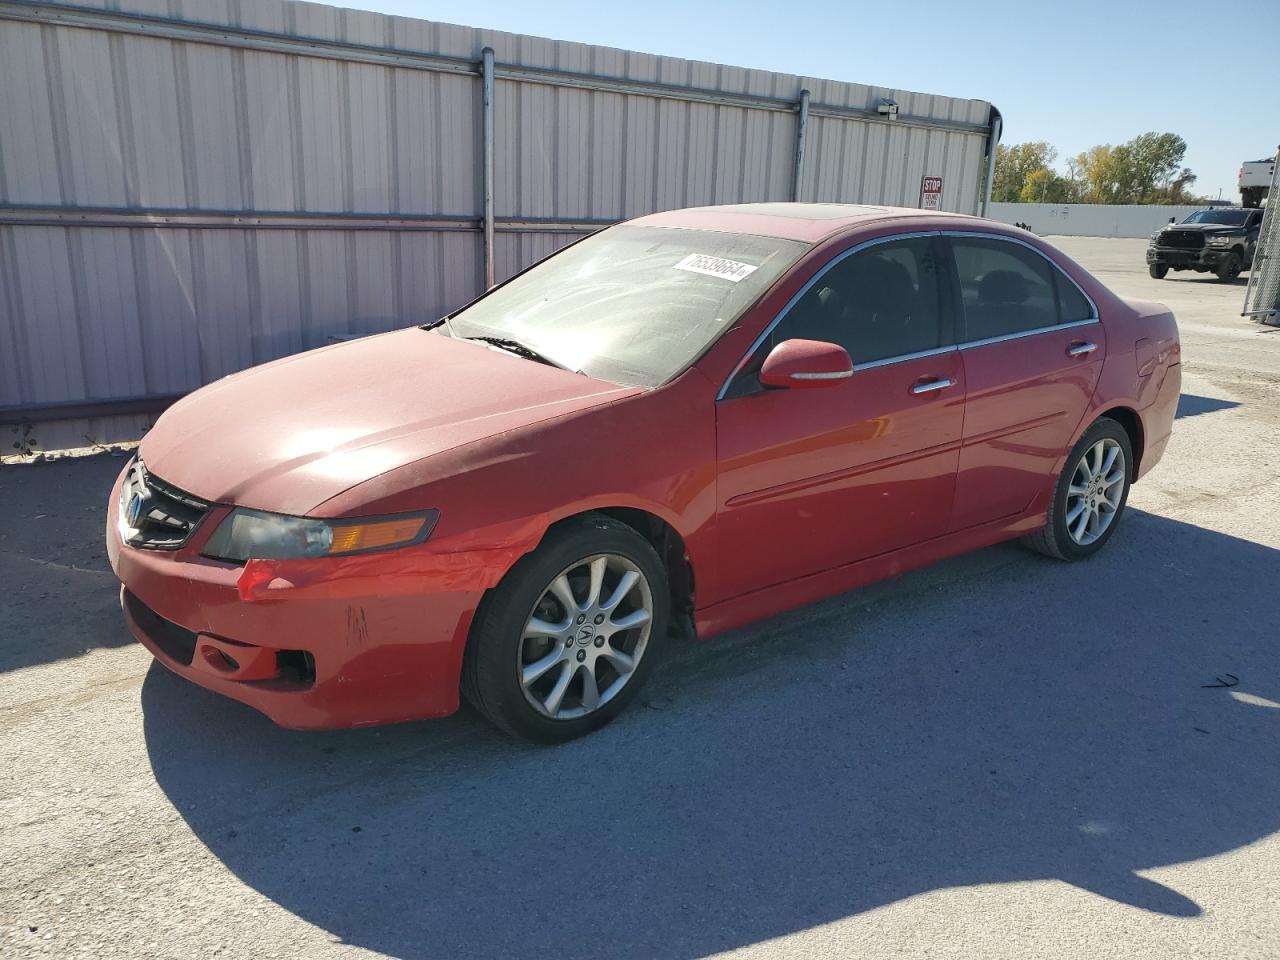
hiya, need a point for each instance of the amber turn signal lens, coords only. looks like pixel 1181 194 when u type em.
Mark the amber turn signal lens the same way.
pixel 350 538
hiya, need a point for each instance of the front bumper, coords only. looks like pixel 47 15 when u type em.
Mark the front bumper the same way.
pixel 313 644
pixel 1206 258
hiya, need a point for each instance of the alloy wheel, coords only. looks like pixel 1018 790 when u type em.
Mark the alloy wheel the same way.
pixel 585 636
pixel 1095 492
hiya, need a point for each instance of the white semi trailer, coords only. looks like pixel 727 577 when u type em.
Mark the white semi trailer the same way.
pixel 1255 179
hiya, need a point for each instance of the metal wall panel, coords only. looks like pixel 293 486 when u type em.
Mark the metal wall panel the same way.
pixel 189 187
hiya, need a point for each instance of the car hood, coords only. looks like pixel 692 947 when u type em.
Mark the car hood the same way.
pixel 289 435
pixel 1204 227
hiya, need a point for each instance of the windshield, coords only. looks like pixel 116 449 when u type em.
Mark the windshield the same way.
pixel 631 304
pixel 1232 218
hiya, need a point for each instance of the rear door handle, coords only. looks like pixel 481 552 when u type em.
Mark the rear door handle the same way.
pixel 931 385
pixel 1080 349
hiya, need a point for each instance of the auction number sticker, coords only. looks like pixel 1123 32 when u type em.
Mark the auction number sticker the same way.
pixel 730 270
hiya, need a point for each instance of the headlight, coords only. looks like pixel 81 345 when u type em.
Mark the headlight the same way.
pixel 1220 241
pixel 255 535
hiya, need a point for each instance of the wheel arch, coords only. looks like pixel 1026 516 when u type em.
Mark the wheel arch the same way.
pixel 1129 419
pixel 664 538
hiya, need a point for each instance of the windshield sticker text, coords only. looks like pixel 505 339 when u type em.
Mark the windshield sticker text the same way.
pixel 730 270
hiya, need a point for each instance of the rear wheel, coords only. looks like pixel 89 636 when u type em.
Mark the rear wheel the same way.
pixel 564 643
pixel 1158 270
pixel 1229 268
pixel 1090 495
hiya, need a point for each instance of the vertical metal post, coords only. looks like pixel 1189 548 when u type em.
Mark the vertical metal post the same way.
pixel 801 124
pixel 993 141
pixel 487 74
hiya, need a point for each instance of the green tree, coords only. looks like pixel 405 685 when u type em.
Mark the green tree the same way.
pixel 1146 169
pixel 1045 186
pixel 1014 166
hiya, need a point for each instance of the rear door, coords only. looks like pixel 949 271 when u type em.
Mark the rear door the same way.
pixel 1032 350
pixel 813 479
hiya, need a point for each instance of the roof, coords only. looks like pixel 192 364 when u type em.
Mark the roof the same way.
pixel 809 222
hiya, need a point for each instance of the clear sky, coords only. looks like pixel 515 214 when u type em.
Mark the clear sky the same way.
pixel 1072 73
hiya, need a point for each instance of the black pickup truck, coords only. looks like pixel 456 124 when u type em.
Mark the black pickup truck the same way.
pixel 1217 241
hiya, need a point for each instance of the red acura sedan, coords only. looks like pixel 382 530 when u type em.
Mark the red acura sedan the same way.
pixel 695 419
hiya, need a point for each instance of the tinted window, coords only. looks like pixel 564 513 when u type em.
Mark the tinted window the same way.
pixel 1004 288
pixel 1072 305
pixel 877 303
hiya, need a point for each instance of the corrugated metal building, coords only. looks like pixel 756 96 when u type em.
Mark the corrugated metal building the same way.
pixel 189 188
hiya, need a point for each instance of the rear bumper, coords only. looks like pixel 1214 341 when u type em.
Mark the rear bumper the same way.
pixel 314 644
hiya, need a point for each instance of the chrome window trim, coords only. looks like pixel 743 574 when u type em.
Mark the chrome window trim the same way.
pixel 904 357
pixel 1019 334
pixel 786 308
pixel 922 354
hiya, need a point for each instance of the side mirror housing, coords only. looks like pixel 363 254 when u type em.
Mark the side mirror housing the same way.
pixel 805 364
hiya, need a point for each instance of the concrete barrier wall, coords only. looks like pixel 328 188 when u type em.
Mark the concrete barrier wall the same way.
pixel 1088 219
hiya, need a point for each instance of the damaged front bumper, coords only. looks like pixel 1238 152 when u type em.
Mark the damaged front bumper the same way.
pixel 314 644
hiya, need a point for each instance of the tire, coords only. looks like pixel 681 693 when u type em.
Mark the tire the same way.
pixel 1229 268
pixel 501 648
pixel 1056 538
pixel 1158 271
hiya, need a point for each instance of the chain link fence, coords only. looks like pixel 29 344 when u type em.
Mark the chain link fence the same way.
pixel 1262 296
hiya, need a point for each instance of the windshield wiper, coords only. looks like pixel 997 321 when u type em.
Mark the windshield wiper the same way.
pixel 443 321
pixel 522 350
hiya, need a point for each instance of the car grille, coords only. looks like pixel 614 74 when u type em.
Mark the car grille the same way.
pixel 1182 239
pixel 155 515
pixel 175 642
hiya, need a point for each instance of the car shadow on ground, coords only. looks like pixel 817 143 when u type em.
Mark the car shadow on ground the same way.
pixel 1190 405
pixel 999 717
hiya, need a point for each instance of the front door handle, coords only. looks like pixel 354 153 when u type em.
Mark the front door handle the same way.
pixel 931 385
pixel 1080 349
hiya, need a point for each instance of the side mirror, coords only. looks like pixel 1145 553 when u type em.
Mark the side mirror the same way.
pixel 803 364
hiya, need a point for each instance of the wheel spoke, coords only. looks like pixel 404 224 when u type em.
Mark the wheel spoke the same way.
pixel 1078 490
pixel 552 703
pixel 537 627
pixel 530 672
pixel 624 663
pixel 1085 467
pixel 561 587
pixel 598 566
pixel 1074 512
pixel 630 620
pixel 1110 460
pixel 625 583
pixel 1112 479
pixel 590 691
pixel 1082 522
pixel 1106 506
pixel 1095 467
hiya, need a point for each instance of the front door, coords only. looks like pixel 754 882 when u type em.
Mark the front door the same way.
pixel 813 479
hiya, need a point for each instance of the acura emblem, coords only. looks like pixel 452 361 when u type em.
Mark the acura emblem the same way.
pixel 133 511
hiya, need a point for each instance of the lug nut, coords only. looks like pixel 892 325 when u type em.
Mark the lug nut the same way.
pixel 599 618
pixel 599 641
pixel 582 618
pixel 582 655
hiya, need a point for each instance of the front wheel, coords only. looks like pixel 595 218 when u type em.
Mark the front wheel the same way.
pixel 565 641
pixel 1229 268
pixel 1158 271
pixel 1090 495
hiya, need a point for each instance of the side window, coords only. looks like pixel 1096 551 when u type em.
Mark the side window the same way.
pixel 1005 288
pixel 878 303
pixel 1072 305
